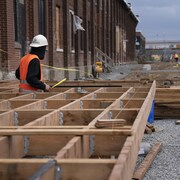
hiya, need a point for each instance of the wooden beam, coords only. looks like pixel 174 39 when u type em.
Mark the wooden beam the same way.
pixel 80 168
pixel 127 158
pixel 140 172
pixel 10 132
pixel 46 145
pixel 178 122
pixel 98 83
pixel 42 127
pixel 73 149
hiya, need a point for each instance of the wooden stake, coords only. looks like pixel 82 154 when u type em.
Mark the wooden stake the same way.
pixel 140 172
pixel 178 122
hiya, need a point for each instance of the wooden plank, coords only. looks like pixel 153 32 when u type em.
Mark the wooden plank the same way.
pixel 125 161
pixel 167 91
pixel 98 83
pixel 167 96
pixel 86 169
pixel 142 89
pixel 19 169
pixel 59 96
pixel 20 102
pixel 110 123
pixel 79 116
pixel 56 103
pixel 165 112
pixel 42 127
pixel 37 105
pixel 80 168
pixel 27 116
pixel 74 95
pixel 167 101
pixel 141 170
pixel 8 95
pixel 178 122
pixel 43 173
pixel 50 119
pixel 116 89
pixel 7 118
pixel 72 150
pixel 25 96
pixel 128 114
pixel 131 103
pixel 128 156
pixel 10 132
pixel 106 146
pixel 108 95
pixel 4 150
pixel 137 95
pixel 96 104
pixel 46 145
pixel 16 146
pixel 43 95
pixel 4 105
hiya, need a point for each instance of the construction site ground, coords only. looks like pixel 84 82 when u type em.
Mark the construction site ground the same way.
pixel 166 164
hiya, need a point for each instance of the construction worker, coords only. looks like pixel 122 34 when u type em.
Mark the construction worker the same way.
pixel 29 71
pixel 176 57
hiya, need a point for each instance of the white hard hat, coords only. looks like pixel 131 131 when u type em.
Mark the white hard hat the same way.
pixel 39 41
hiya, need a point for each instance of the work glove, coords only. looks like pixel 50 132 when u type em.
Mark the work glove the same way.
pixel 47 87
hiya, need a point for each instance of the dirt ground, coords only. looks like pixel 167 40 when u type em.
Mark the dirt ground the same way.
pixel 165 73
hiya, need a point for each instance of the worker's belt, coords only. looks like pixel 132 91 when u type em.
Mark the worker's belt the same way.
pixel 23 81
pixel 29 91
pixel 24 90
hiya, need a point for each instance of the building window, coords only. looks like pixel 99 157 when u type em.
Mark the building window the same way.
pixel 20 24
pixel 19 20
pixel 117 39
pixel 82 39
pixel 42 16
pixel 72 35
pixel 89 36
pixel 16 21
pixel 58 31
pixel 100 4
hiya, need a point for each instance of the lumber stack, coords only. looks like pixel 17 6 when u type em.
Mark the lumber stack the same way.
pixel 113 124
pixel 167 103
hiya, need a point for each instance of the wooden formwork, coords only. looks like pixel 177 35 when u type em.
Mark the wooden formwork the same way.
pixel 54 135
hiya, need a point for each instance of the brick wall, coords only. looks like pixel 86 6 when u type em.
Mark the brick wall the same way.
pixel 100 31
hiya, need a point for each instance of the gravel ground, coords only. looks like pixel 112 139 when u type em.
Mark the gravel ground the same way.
pixel 166 165
pixel 120 72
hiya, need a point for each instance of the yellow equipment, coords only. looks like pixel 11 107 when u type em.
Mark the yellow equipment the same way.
pixel 99 67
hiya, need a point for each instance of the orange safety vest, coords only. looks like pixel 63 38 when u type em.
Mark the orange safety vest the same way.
pixel 24 64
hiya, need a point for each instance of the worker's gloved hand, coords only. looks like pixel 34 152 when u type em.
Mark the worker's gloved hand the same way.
pixel 47 88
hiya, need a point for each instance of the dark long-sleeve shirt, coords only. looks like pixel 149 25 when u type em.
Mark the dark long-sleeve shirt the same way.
pixel 33 75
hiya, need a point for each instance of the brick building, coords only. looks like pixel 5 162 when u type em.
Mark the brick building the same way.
pixel 109 27
pixel 140 47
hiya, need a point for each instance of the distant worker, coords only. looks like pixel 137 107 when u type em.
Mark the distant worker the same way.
pixel 176 57
pixel 29 71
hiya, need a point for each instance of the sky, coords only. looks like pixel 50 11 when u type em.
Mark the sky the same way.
pixel 158 19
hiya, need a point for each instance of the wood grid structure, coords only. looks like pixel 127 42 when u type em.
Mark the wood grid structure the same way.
pixel 54 135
